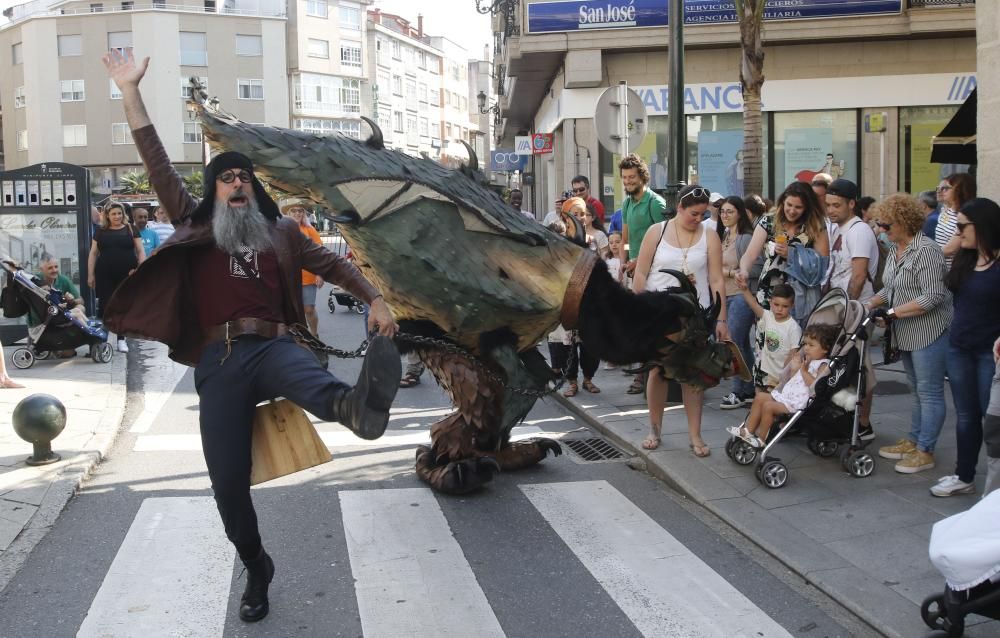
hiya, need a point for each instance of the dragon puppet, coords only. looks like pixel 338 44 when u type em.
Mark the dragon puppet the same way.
pixel 458 266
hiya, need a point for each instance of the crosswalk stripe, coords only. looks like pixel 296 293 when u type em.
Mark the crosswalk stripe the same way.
pixel 171 576
pixel 658 582
pixel 156 394
pixel 333 439
pixel 411 576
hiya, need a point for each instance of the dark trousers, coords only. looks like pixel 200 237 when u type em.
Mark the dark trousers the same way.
pixel 256 370
pixel 559 357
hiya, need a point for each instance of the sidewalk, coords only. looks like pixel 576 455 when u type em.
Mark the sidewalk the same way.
pixel 862 541
pixel 31 498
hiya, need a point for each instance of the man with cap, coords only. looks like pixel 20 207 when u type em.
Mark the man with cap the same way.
pixel 221 293
pixel 854 259
pixel 298 210
pixel 716 200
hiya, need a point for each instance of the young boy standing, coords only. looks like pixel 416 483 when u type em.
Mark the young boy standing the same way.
pixel 778 335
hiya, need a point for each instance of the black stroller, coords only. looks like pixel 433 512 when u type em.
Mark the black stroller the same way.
pixel 58 329
pixel 830 419
pixel 965 548
pixel 340 296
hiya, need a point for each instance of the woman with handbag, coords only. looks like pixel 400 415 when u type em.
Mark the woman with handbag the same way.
pixel 917 308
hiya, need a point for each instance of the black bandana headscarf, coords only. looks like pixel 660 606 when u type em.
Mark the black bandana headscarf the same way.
pixel 225 162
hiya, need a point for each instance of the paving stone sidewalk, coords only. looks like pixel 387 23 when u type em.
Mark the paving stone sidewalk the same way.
pixel 862 541
pixel 31 498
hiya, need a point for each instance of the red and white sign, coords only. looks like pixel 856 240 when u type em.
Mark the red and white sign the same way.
pixel 541 143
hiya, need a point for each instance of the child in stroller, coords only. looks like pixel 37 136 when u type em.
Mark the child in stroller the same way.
pixel 811 363
pixel 61 326
pixel 965 548
pixel 830 417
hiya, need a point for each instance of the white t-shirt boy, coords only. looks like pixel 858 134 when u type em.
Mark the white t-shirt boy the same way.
pixel 775 339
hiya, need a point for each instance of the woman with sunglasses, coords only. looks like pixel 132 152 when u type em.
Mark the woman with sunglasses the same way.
pixel 916 303
pixel 974 280
pixel 115 252
pixel 798 222
pixel 683 244
pixel 737 232
pixel 952 193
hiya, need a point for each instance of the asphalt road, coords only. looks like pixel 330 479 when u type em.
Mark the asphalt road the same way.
pixel 363 548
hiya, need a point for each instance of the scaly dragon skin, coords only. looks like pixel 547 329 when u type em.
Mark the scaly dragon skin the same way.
pixel 453 260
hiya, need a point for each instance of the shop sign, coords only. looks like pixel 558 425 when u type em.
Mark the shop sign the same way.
pixel 541 143
pixel 505 159
pixel 584 15
pixel 522 145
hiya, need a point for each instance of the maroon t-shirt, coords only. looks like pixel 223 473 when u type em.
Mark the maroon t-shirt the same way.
pixel 223 290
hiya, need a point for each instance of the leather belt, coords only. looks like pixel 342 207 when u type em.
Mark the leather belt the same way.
pixel 245 326
pixel 574 289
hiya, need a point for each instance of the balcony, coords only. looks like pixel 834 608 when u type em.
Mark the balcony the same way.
pixel 44 8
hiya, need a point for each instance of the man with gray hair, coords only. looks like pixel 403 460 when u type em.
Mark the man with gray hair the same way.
pixel 929 204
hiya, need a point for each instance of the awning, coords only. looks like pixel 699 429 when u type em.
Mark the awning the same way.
pixel 956 143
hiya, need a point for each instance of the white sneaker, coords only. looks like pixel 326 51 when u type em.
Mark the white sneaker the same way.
pixel 122 346
pixel 952 485
pixel 731 402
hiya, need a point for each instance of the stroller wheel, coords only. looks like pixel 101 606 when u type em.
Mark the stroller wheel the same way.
pixel 42 355
pixel 359 308
pixel 22 358
pixel 932 611
pixel 730 444
pixel 331 303
pixel 824 449
pixel 743 452
pixel 859 463
pixel 102 352
pixel 773 474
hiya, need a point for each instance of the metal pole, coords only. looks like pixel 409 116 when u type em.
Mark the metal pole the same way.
pixel 881 161
pixel 623 119
pixel 677 138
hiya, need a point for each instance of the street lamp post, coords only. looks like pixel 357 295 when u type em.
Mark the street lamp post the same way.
pixel 677 138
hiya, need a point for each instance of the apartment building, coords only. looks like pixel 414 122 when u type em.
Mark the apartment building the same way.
pixel 828 67
pixel 59 104
pixel 457 123
pixel 327 55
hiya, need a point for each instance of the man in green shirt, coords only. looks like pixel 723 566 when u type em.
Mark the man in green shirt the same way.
pixel 50 276
pixel 641 209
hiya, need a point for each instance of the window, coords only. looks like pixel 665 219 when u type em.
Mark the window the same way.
pixel 249 89
pixel 69 45
pixel 383 81
pixel 422 59
pixel 159 4
pixel 385 119
pixel 917 125
pixel 72 91
pixel 397 85
pixel 435 97
pixel 120 41
pixel 411 130
pixel 329 127
pixel 15 53
pixel 19 99
pixel 186 86
pixel 465 103
pixel 120 133
pixel 250 45
pixel 350 95
pixel 22 140
pixel 436 130
pixel 411 94
pixel 803 139
pixel 397 121
pixel 422 92
pixel 128 5
pixel 397 50
pixel 380 52
pixel 192 132
pixel 316 8
pixel 115 93
pixel 318 48
pixel 97 7
pixel 350 54
pixel 326 94
pixel 424 127
pixel 74 135
pixel 350 17
pixel 194 48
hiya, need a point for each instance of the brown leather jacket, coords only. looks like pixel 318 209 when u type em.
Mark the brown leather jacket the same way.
pixel 157 302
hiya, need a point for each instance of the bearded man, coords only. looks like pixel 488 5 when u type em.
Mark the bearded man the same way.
pixel 220 293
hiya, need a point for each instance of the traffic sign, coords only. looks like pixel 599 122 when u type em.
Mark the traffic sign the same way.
pixel 620 119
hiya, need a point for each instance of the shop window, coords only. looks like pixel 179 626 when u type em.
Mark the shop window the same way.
pixel 917 124
pixel 810 142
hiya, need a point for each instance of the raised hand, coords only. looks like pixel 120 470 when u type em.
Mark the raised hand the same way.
pixel 123 68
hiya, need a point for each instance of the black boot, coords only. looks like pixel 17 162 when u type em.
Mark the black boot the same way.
pixel 365 407
pixel 260 571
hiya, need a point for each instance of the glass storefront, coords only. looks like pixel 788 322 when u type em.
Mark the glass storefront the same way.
pixel 810 142
pixel 917 125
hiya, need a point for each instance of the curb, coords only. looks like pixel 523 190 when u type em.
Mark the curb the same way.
pixel 824 579
pixel 68 478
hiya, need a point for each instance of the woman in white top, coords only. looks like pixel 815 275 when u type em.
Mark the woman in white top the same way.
pixel 953 192
pixel 685 245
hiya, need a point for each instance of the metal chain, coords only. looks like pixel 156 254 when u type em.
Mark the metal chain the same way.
pixel 448 347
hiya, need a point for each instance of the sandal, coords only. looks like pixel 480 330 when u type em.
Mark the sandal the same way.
pixel 637 387
pixel 701 450
pixel 652 441
pixel 409 380
pixel 589 386
pixel 572 390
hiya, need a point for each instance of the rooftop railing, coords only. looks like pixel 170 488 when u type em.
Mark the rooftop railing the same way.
pixel 260 8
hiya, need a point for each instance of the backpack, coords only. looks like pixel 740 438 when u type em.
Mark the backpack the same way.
pixel 883 254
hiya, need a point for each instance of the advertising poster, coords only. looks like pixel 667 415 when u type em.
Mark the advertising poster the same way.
pixel 924 175
pixel 26 238
pixel 806 151
pixel 720 161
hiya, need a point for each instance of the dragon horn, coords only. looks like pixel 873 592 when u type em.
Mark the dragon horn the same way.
pixel 473 158
pixel 375 140
pixel 685 284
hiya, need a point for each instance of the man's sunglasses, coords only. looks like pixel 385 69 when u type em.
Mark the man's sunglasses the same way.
pixel 229 177
pixel 582 189
pixel 696 193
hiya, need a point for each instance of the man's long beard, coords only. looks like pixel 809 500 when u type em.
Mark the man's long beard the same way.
pixel 235 228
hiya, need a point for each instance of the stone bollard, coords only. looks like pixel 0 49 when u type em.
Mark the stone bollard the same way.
pixel 38 419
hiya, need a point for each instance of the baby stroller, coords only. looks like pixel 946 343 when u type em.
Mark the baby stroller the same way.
pixel 965 548
pixel 58 330
pixel 829 419
pixel 340 296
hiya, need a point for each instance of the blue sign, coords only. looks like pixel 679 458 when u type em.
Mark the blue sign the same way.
pixel 505 159
pixel 581 15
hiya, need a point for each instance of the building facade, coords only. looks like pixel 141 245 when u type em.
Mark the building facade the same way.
pixel 60 106
pixel 914 60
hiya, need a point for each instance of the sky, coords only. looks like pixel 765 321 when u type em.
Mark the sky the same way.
pixel 456 20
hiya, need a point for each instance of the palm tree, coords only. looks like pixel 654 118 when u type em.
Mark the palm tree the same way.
pixel 135 183
pixel 750 14
pixel 195 184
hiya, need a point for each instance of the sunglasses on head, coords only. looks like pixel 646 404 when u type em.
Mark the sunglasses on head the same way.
pixel 696 193
pixel 229 177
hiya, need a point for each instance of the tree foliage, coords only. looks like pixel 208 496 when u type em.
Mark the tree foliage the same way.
pixel 135 183
pixel 750 14
pixel 195 184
